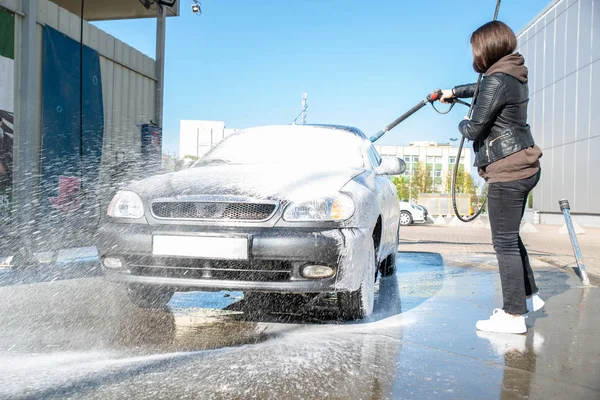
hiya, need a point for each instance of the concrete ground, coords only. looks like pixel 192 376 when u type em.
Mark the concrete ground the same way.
pixel 82 339
pixel 547 244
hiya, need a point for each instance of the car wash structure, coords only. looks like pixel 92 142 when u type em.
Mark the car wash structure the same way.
pixel 76 104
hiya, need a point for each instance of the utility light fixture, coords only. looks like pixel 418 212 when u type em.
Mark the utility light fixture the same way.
pixel 146 3
pixel 166 3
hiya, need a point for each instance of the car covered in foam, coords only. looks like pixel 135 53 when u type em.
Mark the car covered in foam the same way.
pixel 302 209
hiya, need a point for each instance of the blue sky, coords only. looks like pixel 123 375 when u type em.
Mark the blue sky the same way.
pixel 362 63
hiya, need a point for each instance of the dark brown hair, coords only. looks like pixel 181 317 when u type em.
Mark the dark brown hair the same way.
pixel 490 43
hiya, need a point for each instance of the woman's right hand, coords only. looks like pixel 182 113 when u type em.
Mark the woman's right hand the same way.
pixel 447 95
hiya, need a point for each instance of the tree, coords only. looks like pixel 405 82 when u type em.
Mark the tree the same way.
pixel 464 182
pixel 421 181
pixel 403 187
pixel 169 161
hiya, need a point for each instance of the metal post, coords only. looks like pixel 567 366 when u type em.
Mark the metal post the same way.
pixel 304 107
pixel 161 28
pixel 564 207
pixel 25 139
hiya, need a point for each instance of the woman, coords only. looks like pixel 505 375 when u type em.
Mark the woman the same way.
pixel 508 159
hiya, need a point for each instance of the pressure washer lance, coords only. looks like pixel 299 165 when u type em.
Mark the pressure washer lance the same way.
pixel 430 99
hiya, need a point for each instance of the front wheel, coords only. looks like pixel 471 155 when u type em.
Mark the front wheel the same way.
pixel 405 218
pixel 147 296
pixel 359 304
pixel 388 267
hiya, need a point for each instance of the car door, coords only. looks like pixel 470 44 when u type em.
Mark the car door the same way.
pixel 387 196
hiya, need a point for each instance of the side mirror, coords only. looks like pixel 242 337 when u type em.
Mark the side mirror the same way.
pixel 391 166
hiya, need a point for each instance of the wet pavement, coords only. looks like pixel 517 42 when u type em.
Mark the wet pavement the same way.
pixel 82 339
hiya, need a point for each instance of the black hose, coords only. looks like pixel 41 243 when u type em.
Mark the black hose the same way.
pixel 460 148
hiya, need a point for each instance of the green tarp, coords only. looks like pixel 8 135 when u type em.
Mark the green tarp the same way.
pixel 7 34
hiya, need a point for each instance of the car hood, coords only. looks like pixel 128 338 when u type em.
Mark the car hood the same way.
pixel 246 181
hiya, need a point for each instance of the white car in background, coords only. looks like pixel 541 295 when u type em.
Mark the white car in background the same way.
pixel 412 213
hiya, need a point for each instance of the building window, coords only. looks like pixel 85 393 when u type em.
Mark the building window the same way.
pixel 438 160
pixel 415 159
pixel 407 159
pixel 452 160
pixel 430 159
pixel 438 173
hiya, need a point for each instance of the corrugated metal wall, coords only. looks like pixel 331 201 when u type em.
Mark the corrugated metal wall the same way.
pixel 562 50
pixel 128 79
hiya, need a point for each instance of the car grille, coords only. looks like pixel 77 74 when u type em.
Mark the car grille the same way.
pixel 213 210
pixel 263 271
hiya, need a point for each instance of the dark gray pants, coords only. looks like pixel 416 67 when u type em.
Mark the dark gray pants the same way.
pixel 506 205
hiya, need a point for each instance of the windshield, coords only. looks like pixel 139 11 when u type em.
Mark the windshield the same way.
pixel 289 146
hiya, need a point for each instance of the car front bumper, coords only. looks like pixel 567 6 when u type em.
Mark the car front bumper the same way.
pixel 276 257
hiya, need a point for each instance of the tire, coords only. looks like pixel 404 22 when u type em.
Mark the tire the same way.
pixel 359 304
pixel 24 259
pixel 405 218
pixel 262 300
pixel 274 301
pixel 388 267
pixel 146 296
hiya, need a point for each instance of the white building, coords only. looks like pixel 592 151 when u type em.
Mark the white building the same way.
pixel 197 137
pixel 439 158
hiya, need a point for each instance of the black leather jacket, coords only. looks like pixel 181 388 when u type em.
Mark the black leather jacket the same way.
pixel 498 126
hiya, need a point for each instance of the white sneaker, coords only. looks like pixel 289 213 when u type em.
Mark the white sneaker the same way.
pixel 502 322
pixel 534 303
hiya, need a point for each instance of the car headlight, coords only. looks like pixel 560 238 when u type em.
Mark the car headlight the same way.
pixel 126 205
pixel 338 208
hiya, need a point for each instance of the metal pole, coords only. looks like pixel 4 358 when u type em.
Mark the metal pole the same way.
pixel 564 207
pixel 304 107
pixel 26 139
pixel 161 28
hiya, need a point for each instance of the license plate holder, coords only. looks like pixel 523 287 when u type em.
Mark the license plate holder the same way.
pixel 201 247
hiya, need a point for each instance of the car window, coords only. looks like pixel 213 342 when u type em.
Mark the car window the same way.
pixel 374 156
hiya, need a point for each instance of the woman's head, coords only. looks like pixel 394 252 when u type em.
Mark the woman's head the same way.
pixel 490 43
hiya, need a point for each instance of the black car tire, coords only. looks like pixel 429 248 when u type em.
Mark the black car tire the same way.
pixel 405 218
pixel 389 265
pixel 359 304
pixel 24 259
pixel 265 301
pixel 147 296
